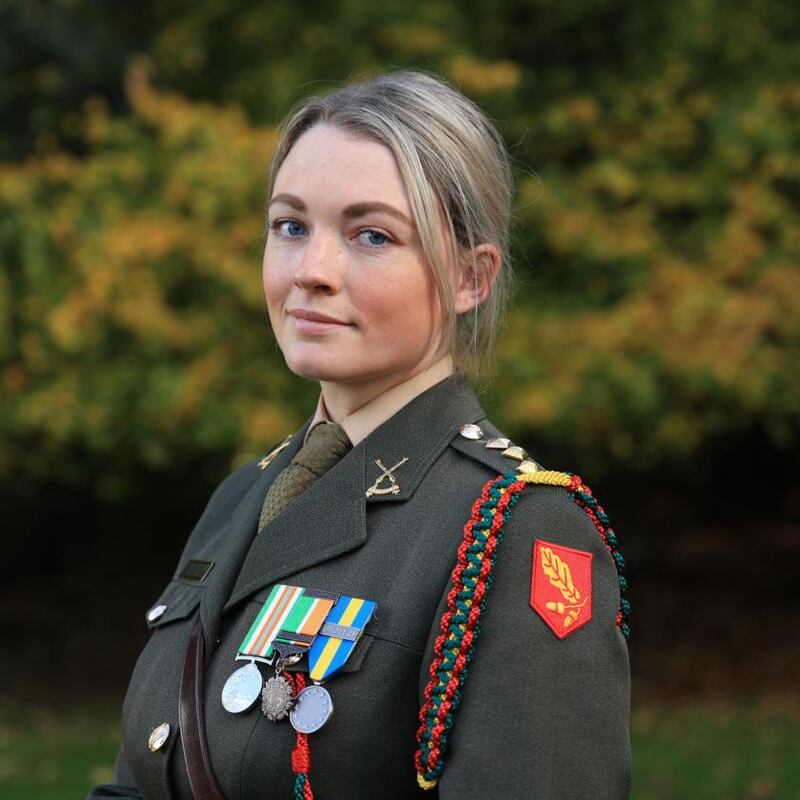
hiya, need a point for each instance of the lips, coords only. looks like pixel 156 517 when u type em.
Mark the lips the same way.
pixel 314 316
pixel 315 323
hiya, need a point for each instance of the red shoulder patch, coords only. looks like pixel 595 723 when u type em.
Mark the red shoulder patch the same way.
pixel 561 587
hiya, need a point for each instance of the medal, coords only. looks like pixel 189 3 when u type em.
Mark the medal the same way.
pixel 276 698
pixel 286 624
pixel 311 710
pixel 242 689
pixel 296 633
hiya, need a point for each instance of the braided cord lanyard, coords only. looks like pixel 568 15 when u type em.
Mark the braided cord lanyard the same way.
pixel 471 581
pixel 301 755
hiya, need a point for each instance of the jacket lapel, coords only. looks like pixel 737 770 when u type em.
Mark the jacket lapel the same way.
pixel 420 432
pixel 330 517
pixel 231 542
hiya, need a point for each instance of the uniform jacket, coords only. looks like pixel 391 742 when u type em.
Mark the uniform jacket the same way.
pixel 541 717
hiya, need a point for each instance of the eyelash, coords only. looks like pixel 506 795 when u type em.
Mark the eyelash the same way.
pixel 275 224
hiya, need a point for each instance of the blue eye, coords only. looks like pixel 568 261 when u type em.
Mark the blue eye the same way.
pixel 289 228
pixel 373 238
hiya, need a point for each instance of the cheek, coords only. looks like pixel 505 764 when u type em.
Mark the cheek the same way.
pixel 275 293
pixel 274 280
pixel 401 309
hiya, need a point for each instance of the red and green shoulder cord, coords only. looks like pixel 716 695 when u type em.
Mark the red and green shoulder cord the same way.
pixel 301 754
pixel 471 581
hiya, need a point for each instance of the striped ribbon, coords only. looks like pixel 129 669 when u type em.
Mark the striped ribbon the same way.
pixel 329 652
pixel 291 615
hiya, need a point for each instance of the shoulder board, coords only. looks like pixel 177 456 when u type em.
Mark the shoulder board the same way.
pixel 485 443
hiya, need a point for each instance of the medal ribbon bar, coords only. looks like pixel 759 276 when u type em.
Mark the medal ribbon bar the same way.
pixel 290 616
pixel 329 653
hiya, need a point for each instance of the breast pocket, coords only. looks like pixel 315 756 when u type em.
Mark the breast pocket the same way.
pixel 178 601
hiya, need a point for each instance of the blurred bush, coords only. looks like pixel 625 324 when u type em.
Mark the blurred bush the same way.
pixel 656 224
pixel 132 323
pixel 661 303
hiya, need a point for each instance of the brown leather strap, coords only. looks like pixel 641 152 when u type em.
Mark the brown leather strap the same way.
pixel 191 716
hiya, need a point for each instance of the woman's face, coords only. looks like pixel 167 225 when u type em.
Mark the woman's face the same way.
pixel 350 296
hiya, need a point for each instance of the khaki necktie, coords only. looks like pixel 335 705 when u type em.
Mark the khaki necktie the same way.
pixel 325 445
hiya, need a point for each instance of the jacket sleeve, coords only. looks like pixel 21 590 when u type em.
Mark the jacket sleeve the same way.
pixel 123 784
pixel 542 717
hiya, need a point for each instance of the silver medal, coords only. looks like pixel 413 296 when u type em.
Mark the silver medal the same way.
pixel 276 698
pixel 242 689
pixel 312 709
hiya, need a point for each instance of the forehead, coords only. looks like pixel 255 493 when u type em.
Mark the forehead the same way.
pixel 329 163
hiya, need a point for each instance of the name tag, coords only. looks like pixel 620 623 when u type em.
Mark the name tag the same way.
pixel 195 571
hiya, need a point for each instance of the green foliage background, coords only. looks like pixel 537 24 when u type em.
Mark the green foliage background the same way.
pixel 657 151
pixel 653 342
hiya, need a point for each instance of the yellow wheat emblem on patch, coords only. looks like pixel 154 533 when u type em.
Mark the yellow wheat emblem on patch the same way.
pixel 560 576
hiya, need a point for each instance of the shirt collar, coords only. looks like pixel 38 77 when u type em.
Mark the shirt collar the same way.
pixel 374 413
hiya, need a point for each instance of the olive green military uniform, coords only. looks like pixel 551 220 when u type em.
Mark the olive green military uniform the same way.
pixel 541 717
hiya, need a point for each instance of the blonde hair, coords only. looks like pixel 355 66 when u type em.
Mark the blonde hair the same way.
pixel 454 166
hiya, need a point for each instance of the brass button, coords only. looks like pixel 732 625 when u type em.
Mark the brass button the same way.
pixel 157 738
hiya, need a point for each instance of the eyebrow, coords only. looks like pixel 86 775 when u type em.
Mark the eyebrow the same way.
pixel 351 212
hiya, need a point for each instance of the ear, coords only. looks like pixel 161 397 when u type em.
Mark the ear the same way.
pixel 479 269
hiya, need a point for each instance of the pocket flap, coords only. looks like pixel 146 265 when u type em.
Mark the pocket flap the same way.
pixel 177 601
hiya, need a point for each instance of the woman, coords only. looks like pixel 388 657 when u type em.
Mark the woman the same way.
pixel 493 661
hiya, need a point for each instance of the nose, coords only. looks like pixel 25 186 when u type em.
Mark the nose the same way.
pixel 320 268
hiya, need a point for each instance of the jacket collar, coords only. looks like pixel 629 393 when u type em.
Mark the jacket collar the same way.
pixel 365 419
pixel 420 431
pixel 329 518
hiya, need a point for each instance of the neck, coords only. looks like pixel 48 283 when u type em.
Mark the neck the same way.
pixel 343 399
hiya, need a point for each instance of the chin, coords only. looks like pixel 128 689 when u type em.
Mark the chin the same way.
pixel 334 368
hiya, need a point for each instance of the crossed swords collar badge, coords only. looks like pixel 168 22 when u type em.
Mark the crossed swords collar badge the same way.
pixel 386 474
